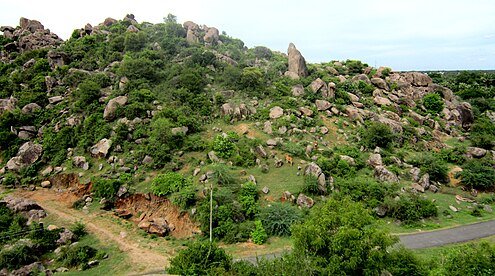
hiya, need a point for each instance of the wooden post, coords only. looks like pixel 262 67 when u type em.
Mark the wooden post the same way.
pixel 211 212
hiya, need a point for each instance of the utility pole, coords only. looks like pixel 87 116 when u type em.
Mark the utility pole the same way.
pixel 211 212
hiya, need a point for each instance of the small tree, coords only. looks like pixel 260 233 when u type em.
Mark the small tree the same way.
pixel 259 236
pixel 165 184
pixel 433 103
pixel 377 135
pixel 343 238
pixel 200 258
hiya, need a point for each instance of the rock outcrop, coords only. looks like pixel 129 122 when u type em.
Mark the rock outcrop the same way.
pixel 28 153
pixel 297 63
pixel 30 35
pixel 111 108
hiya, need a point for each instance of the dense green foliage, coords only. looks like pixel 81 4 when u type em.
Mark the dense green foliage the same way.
pixel 342 237
pixel 200 258
pixel 278 218
pixel 478 174
pixel 168 183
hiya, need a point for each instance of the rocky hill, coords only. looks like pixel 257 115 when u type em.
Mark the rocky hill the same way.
pixel 170 109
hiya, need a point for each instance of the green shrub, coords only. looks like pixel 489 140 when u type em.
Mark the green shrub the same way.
pixel 477 174
pixel 433 103
pixel 279 217
pixel 410 208
pixel 16 256
pixel 431 164
pixel 200 258
pixel 79 230
pixel 259 236
pixel 224 146
pixel 311 185
pixel 105 188
pixel 184 198
pixel 76 256
pixel 240 232
pixel 168 183
pixel 248 196
pixel 403 261
pixel 223 176
pixel 470 259
pixel 377 135
pixel 483 133
pixel 364 189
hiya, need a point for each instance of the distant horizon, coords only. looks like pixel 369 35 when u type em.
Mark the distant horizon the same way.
pixel 421 36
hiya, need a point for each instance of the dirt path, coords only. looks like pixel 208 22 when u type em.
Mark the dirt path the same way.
pixel 448 236
pixel 144 259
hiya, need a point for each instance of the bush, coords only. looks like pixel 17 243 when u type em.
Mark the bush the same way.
pixel 224 146
pixel 470 259
pixel 410 208
pixel 366 190
pixel 377 135
pixel 18 255
pixel 78 255
pixel 79 230
pixel 433 103
pixel 403 261
pixel 259 236
pixel 105 188
pixel 248 196
pixel 200 258
pixel 185 198
pixel 168 183
pixel 477 174
pixel 311 185
pixel 431 164
pixel 279 217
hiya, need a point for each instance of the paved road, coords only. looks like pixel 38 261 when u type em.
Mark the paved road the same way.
pixel 453 235
pixel 427 239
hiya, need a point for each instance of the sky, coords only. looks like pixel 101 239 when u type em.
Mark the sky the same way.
pixel 403 35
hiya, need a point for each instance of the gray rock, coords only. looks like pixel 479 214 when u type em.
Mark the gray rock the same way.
pixel 265 190
pixel 305 201
pixel 196 171
pixel 267 127
pixel 30 108
pixel 147 160
pixel 100 150
pixel 251 178
pixel 382 174
pixel 474 152
pixel 487 208
pixel 380 83
pixel 28 153
pixel 111 107
pixel 276 112
pixel 322 105
pixel 324 130
pixel 297 90
pixel 314 170
pixel 375 160
pixel 297 63
pixel 55 99
pixel 180 130
pixel 80 162
pixel 288 197
pixel 271 142
pixel 46 184
pixel 48 170
pixel 418 187
pixel 213 157
pixel 260 150
pixel 424 181
pixel 306 111
pixel 453 209
pixel 433 188
pixel 65 237
pixel 382 101
pixel 348 159
pixel 466 114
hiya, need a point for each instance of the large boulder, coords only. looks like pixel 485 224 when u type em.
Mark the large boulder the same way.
pixel 322 105
pixel 305 201
pixel 212 36
pixel 30 108
pixel 466 114
pixel 276 112
pixel 111 108
pixel 380 83
pixel 80 162
pixel 297 63
pixel 297 90
pixel 101 148
pixel 28 153
pixel 375 160
pixel 474 152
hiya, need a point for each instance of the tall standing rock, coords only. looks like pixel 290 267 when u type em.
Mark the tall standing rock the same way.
pixel 297 63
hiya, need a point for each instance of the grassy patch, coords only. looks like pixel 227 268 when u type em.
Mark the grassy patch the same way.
pixel 247 249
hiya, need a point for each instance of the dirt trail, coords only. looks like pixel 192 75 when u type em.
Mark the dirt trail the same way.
pixel 144 259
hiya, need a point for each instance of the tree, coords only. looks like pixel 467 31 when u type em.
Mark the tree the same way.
pixel 377 135
pixel 343 238
pixel 433 103
pixel 200 258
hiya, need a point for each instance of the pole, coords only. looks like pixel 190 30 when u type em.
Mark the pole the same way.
pixel 211 212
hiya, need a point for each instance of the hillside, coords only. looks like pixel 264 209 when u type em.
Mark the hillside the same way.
pixel 145 119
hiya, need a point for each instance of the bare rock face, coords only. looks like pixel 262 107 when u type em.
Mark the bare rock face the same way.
pixel 32 35
pixel 212 36
pixel 111 108
pixel 101 149
pixel 27 155
pixel 297 63
pixel 57 59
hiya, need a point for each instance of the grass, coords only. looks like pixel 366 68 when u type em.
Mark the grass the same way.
pixel 443 199
pixel 440 252
pixel 247 249
pixel 117 262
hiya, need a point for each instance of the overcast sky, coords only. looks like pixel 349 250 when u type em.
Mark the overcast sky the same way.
pixel 404 35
